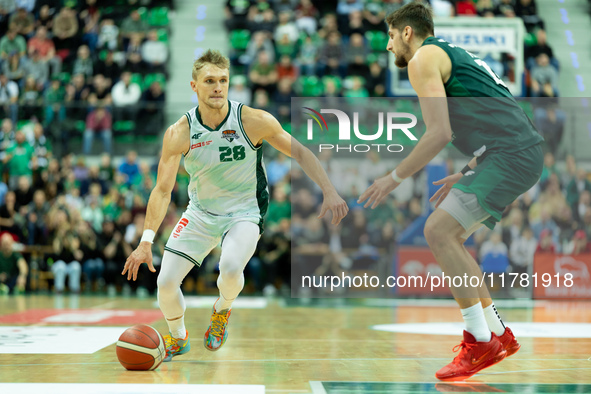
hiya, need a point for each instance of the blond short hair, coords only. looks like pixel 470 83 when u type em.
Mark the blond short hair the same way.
pixel 210 57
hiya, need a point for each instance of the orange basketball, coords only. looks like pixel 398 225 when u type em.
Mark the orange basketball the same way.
pixel 140 348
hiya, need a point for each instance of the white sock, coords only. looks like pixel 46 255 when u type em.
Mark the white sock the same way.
pixel 493 320
pixel 476 323
pixel 223 304
pixel 177 327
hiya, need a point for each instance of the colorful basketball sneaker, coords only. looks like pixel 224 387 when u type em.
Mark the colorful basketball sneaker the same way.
pixel 216 334
pixel 176 346
pixel 473 357
pixel 509 342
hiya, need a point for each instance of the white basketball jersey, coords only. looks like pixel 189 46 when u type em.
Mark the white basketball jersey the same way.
pixel 228 176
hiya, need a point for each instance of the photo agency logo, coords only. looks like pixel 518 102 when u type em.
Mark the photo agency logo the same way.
pixel 391 122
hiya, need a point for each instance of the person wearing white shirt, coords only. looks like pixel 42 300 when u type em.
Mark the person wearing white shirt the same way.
pixel 126 95
pixel 286 27
pixel 154 52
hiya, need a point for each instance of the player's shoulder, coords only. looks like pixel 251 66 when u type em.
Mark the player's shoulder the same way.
pixel 428 55
pixel 257 117
pixel 176 137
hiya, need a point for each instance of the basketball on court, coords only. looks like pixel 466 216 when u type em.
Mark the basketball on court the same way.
pixel 140 348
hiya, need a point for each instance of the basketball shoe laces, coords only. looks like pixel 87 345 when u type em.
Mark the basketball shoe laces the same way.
pixel 171 343
pixel 463 347
pixel 218 323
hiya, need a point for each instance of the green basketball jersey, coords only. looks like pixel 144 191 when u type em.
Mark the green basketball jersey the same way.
pixel 227 173
pixel 483 114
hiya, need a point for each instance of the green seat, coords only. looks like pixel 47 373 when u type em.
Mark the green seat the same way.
pixel 158 16
pixel 137 78
pixel 377 40
pixel 530 40
pixel 154 77
pixel 22 123
pixel 163 35
pixel 337 81
pixel 64 77
pixel 239 39
pixel 80 126
pixel 143 13
pixel 124 126
pixel 311 86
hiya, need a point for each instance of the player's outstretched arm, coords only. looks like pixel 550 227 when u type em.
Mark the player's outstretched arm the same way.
pixel 424 72
pixel 270 130
pixel 176 142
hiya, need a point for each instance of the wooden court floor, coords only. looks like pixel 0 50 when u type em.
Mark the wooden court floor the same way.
pixel 288 346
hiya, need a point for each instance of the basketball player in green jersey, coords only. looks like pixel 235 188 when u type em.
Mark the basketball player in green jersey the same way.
pixel 221 141
pixel 463 102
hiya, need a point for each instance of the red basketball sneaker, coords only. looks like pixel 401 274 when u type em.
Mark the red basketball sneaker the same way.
pixel 473 357
pixel 509 342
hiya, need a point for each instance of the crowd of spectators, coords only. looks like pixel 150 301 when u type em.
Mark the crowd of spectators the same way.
pixel 60 60
pixel 75 68
pixel 90 217
pixel 337 47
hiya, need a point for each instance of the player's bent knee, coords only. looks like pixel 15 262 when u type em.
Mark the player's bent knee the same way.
pixel 231 273
pixel 166 285
pixel 435 233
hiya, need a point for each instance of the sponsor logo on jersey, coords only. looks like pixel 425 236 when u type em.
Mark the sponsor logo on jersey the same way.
pixel 230 135
pixel 200 144
pixel 196 136
pixel 182 224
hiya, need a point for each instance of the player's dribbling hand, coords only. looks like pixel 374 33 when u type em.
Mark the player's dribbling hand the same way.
pixel 380 188
pixel 337 206
pixel 443 191
pixel 143 254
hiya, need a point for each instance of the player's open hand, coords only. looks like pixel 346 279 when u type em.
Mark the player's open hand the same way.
pixel 380 188
pixel 143 254
pixel 334 203
pixel 447 183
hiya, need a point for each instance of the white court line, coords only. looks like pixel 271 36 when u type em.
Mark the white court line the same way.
pixel 317 388
pixel 298 359
pixel 128 388
pixel 529 370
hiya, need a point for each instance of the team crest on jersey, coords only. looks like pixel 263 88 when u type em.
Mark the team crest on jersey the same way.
pixel 230 135
pixel 196 136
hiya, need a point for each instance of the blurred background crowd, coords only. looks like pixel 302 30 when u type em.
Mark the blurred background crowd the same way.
pixel 94 73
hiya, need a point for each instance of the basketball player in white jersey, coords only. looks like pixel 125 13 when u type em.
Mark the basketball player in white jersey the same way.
pixel 221 142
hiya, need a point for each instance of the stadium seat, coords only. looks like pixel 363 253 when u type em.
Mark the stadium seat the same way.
pixel 103 54
pixel 124 126
pixel 64 77
pixel 158 16
pixel 337 81
pixel 154 77
pixel 310 86
pixel 143 13
pixel 137 78
pixel 239 39
pixel 163 35
pixel 377 40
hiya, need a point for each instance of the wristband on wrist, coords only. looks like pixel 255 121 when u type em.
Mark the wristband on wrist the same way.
pixel 396 177
pixel 466 169
pixel 148 236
